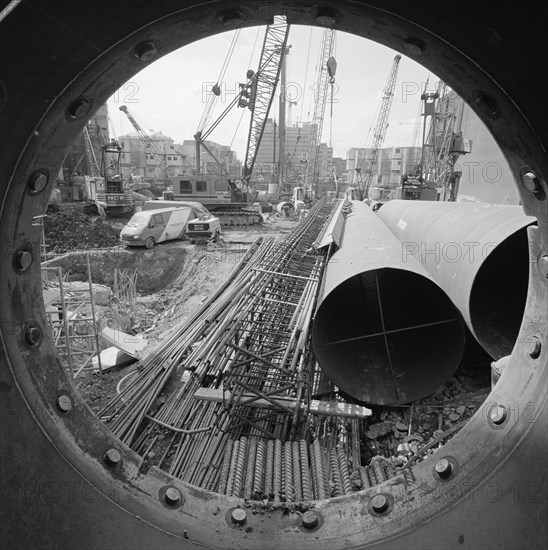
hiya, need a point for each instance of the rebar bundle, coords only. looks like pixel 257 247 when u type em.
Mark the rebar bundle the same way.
pixel 224 401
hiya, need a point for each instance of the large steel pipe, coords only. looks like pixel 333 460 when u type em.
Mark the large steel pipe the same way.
pixel 384 332
pixel 478 253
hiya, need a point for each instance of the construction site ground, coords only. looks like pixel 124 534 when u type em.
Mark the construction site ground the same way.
pixel 175 278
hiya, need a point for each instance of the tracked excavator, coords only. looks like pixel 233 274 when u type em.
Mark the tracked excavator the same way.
pixel 232 199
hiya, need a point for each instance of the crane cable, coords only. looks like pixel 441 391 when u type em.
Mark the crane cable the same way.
pixel 243 110
pixel 234 137
pixel 332 82
pixel 228 56
pixel 306 70
pixel 214 95
pixel 314 87
pixel 370 137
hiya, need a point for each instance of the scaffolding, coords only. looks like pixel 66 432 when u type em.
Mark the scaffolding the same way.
pixel 38 221
pixel 72 321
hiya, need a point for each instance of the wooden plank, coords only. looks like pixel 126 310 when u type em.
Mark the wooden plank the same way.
pixel 324 408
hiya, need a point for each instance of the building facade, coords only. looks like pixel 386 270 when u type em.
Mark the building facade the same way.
pixel 141 160
pixel 296 151
pixel 392 164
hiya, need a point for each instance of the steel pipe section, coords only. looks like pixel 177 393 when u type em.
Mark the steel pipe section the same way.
pixel 478 254
pixel 384 331
pixel 65 480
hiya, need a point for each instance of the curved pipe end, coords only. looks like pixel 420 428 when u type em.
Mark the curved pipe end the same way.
pixel 388 336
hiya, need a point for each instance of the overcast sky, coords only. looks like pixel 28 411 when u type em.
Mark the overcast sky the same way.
pixel 169 95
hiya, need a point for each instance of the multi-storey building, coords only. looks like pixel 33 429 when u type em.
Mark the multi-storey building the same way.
pixel 392 164
pixel 296 145
pixel 181 158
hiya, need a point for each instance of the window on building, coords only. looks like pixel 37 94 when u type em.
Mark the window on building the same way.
pixel 397 150
pixel 220 185
pixel 150 170
pixel 168 158
pixel 201 187
pixel 185 186
pixel 172 147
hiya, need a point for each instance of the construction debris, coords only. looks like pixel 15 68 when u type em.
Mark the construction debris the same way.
pixel 69 229
pixel 231 399
pixel 131 345
pixel 112 357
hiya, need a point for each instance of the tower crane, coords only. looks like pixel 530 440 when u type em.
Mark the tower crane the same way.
pixel 146 139
pixel 326 76
pixel 379 131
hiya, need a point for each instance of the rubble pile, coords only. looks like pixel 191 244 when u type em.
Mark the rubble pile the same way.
pixel 69 230
pixel 396 434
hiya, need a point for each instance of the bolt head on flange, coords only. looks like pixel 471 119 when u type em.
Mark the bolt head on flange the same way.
pixel 486 104
pixel 37 182
pixel 497 414
pixel 231 17
pixel 238 516
pixel 78 108
pixel 112 457
pixel 310 519
pixel 531 182
pixel 443 468
pixel 22 260
pixel 146 51
pixel 172 496
pixel 535 347
pixel 64 403
pixel 414 45
pixel 542 265
pixel 379 504
pixel 33 336
pixel 326 16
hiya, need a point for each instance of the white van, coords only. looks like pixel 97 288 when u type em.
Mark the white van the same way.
pixel 146 228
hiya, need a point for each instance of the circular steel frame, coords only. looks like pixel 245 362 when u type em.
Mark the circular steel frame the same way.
pixel 65 479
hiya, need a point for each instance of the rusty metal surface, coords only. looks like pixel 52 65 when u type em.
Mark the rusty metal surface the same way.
pixel 384 332
pixel 58 491
pixel 476 253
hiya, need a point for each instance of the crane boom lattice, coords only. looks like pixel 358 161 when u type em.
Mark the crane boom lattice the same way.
pixel 90 154
pixel 264 86
pixel 381 125
pixel 444 144
pixel 326 76
pixel 147 140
